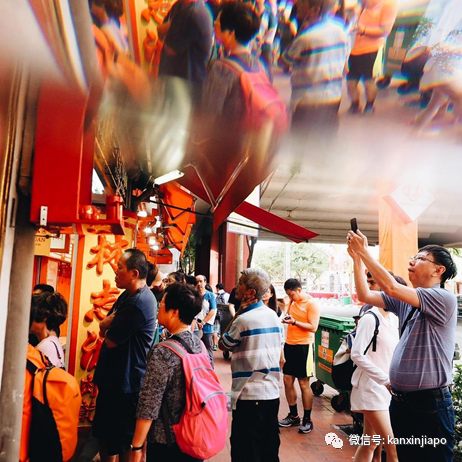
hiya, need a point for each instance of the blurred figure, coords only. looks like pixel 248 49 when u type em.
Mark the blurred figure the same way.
pixel 222 298
pixel 222 295
pixel 443 75
pixel 266 34
pixel 188 38
pixel 375 22
pixel 205 319
pixel 236 26
pixel 270 300
pixel 317 58
pixel 51 312
pixel 176 276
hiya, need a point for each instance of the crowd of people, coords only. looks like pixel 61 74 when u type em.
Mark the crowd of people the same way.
pixel 401 385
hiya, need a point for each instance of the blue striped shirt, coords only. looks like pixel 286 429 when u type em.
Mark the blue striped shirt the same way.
pixel 317 57
pixel 255 338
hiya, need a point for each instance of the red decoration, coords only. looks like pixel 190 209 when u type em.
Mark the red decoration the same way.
pixel 86 410
pixel 107 252
pixel 88 386
pixel 90 353
pixel 102 301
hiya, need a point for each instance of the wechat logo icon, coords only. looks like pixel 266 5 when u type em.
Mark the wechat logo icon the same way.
pixel 332 439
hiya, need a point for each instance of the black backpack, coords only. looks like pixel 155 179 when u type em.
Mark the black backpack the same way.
pixel 343 366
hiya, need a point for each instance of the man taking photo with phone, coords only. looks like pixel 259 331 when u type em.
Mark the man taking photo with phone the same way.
pixel 421 408
pixel 302 319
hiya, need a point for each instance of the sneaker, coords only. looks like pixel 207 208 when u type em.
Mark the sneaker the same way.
pixel 305 427
pixel 354 109
pixel 215 348
pixel 408 87
pixel 383 82
pixel 290 421
pixel 369 108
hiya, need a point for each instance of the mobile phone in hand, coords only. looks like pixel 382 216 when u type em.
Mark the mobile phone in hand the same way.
pixel 354 225
pixel 287 318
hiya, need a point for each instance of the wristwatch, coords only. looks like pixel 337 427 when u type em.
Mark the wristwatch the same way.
pixel 136 448
pixel 295 322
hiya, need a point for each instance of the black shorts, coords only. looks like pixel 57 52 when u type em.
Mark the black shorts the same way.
pixel 361 66
pixel 115 420
pixel 296 360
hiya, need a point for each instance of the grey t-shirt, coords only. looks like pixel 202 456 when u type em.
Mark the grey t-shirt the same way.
pixel 423 356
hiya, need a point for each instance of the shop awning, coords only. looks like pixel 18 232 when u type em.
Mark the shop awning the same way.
pixel 276 224
pixel 224 171
pixel 177 207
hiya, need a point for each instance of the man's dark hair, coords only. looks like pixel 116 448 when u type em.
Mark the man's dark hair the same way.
pixel 184 298
pixel 44 288
pixel 137 260
pixel 51 308
pixel 292 284
pixel 191 280
pixel 241 19
pixel 400 280
pixel 442 257
pixel 152 273
pixel 220 286
pixel 325 6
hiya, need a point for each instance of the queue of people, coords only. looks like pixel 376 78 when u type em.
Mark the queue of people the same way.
pixel 401 385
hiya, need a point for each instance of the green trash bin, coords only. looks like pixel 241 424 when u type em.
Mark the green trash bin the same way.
pixel 331 331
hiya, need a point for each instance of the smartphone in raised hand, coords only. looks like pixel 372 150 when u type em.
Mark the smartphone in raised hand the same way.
pixel 354 225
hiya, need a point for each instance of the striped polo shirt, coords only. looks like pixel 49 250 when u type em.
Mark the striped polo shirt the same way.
pixel 255 338
pixel 317 56
pixel 423 357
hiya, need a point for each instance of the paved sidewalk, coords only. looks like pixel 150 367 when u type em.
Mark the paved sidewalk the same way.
pixel 296 447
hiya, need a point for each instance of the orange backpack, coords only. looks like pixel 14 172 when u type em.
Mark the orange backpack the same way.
pixel 55 403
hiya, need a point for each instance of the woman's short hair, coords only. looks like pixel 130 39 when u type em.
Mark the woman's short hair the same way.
pixel 51 308
pixel 178 276
pixel 241 19
pixel 184 298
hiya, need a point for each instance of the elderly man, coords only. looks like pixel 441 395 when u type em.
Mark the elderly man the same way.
pixel 255 338
pixel 129 333
pixel 421 411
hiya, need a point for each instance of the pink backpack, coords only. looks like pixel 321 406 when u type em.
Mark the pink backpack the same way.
pixel 264 106
pixel 203 427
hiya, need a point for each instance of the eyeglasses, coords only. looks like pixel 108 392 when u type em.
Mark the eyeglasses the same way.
pixel 422 258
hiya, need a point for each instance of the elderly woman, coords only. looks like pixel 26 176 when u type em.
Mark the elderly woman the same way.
pixel 51 313
pixel 164 381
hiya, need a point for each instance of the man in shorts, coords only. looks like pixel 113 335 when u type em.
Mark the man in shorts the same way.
pixel 374 25
pixel 302 319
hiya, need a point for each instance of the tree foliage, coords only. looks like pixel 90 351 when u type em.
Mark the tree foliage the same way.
pixel 307 262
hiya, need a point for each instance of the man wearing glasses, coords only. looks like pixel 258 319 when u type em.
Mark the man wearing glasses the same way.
pixel 421 411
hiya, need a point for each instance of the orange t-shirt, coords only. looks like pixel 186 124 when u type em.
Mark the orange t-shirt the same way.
pixel 305 310
pixel 383 15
